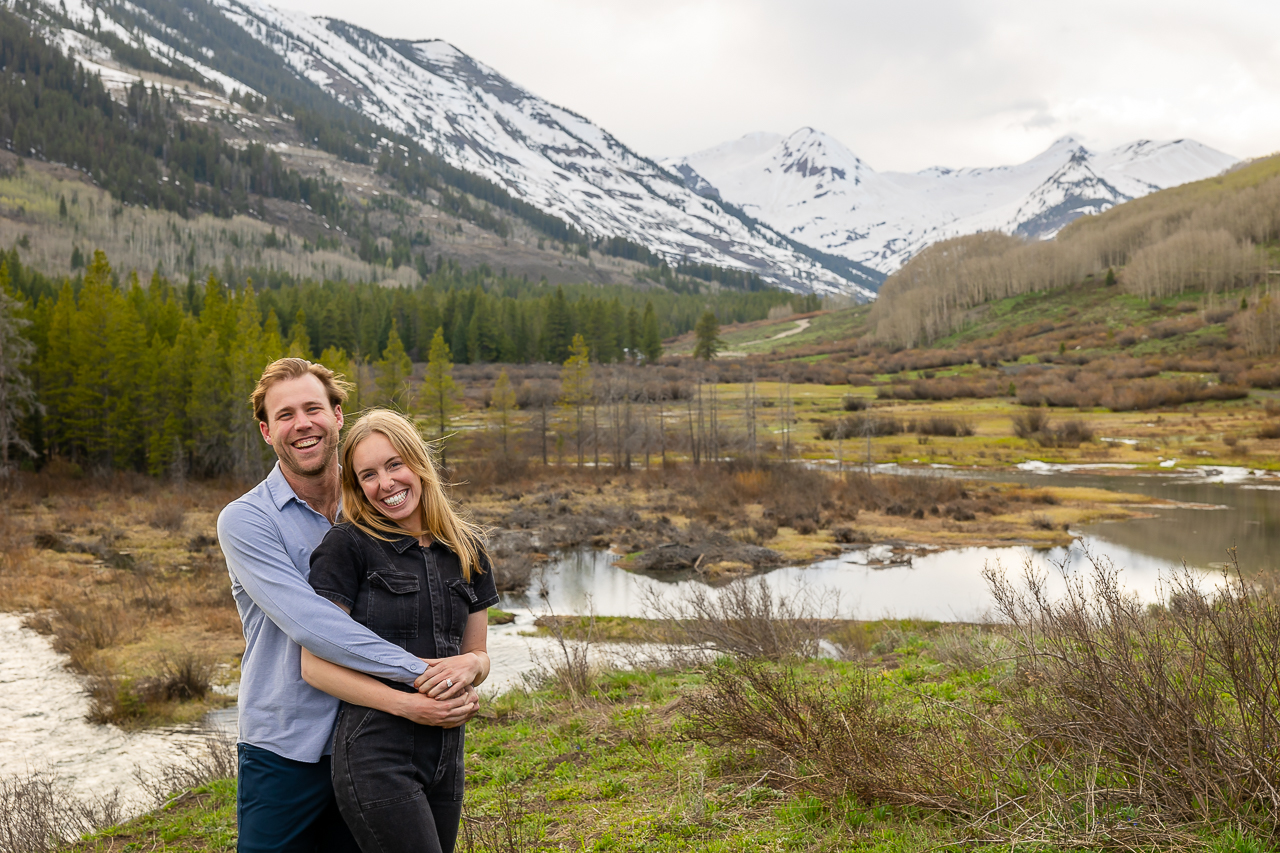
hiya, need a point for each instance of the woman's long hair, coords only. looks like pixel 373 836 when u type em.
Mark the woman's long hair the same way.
pixel 437 516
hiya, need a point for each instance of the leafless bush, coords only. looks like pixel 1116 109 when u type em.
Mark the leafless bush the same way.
pixel 38 812
pixel 121 699
pixel 743 619
pixel 213 758
pixel 168 515
pixel 970 649
pixel 502 831
pixel 857 426
pixel 81 627
pixel 837 737
pixel 569 666
pixel 853 403
pixel 1175 707
pixel 1028 423
pixel 944 426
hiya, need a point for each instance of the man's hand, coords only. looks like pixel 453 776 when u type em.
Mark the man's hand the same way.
pixel 446 713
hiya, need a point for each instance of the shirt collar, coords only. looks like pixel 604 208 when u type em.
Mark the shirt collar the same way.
pixel 282 492
pixel 278 486
pixel 402 543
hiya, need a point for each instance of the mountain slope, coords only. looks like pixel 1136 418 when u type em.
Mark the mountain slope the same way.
pixel 469 115
pixel 813 189
pixel 559 161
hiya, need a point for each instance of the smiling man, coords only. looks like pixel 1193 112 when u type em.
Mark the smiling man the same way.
pixel 284 795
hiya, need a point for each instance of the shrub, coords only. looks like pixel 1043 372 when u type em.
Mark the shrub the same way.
pixel 169 516
pixel 1028 423
pixel 853 403
pixel 1176 706
pixel 945 426
pixel 858 426
pixel 836 737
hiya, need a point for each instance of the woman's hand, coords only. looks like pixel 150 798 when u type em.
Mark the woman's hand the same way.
pixel 446 678
pixel 445 713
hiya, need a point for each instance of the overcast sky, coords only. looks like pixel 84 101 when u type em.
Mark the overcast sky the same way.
pixel 905 84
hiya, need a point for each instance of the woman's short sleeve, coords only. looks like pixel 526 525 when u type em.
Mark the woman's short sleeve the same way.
pixel 337 567
pixel 483 586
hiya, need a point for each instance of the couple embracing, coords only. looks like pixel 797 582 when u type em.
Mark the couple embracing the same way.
pixel 364 597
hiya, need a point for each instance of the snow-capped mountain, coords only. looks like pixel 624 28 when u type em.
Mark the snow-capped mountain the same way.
pixel 811 188
pixel 480 121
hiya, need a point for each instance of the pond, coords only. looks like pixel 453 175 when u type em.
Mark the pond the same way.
pixel 1240 507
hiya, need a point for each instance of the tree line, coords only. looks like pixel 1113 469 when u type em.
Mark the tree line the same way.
pixel 154 377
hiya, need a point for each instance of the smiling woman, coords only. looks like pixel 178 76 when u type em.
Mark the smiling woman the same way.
pixel 405 564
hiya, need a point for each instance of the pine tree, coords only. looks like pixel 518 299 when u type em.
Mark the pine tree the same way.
pixel 337 360
pixel 557 334
pixel 707 332
pixel 299 340
pixel 439 391
pixel 650 336
pixel 17 395
pixel 395 372
pixel 503 401
pixel 575 383
pixel 91 394
pixel 246 361
pixel 57 371
pixel 633 337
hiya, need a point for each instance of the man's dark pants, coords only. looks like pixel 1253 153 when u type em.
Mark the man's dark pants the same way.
pixel 287 806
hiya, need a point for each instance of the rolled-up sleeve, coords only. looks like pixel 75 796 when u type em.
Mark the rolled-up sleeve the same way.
pixel 257 558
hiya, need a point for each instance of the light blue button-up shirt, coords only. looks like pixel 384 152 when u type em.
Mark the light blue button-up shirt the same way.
pixel 267 537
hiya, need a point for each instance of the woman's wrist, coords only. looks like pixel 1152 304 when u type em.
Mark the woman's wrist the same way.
pixel 482 667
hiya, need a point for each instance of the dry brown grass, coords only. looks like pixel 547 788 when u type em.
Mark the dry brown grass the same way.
pixel 109 569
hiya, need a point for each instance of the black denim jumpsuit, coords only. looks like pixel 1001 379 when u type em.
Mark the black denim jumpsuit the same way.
pixel 399 784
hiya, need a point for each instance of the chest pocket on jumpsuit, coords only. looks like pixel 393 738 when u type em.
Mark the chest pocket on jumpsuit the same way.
pixel 462 597
pixel 393 604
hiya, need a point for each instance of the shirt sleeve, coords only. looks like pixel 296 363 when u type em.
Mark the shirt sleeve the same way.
pixel 336 567
pixel 257 558
pixel 483 586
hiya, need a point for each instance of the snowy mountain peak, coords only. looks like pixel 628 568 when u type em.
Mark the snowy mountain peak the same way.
pixel 811 188
pixel 561 163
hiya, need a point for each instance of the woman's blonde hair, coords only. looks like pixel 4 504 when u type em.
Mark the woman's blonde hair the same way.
pixel 437 516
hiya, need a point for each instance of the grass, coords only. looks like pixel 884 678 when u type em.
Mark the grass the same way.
pixel 202 818
pixel 625 767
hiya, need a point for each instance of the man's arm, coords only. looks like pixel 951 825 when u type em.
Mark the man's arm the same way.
pixel 258 559
pixel 359 689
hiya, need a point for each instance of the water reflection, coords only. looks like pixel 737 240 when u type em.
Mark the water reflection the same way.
pixel 943 585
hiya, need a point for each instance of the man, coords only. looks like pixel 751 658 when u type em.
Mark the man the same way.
pixel 284 796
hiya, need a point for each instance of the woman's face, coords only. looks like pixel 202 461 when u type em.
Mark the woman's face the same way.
pixel 387 481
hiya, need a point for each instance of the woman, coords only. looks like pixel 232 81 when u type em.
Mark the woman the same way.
pixel 403 563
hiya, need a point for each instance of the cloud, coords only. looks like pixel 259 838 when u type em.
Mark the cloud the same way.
pixel 904 85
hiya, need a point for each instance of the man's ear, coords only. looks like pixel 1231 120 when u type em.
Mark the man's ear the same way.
pixel 337 413
pixel 265 430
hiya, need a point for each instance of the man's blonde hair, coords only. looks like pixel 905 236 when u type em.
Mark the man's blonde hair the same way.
pixel 437 515
pixel 284 369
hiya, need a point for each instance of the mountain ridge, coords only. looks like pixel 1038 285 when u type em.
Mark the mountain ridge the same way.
pixel 809 186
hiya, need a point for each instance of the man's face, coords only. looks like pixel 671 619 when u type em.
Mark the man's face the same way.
pixel 302 427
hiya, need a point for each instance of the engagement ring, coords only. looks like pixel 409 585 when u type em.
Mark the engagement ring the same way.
pixel 448 682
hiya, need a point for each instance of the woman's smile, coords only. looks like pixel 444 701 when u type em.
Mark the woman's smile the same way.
pixel 388 483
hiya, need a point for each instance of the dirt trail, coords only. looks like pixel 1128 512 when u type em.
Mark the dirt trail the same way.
pixel 801 325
